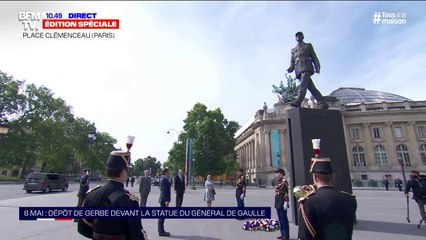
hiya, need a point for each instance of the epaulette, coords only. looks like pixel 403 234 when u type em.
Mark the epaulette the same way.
pixel 90 190
pixel 347 193
pixel 132 197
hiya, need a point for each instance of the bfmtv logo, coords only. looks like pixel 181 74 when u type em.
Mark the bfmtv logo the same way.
pixel 30 20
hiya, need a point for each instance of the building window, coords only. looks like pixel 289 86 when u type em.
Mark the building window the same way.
pixel 359 158
pixel 398 132
pixel 364 177
pixel 421 131
pixel 377 133
pixel 380 156
pixel 355 133
pixel 423 153
pixel 402 153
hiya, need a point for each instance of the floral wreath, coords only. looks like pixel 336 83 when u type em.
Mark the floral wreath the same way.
pixel 266 225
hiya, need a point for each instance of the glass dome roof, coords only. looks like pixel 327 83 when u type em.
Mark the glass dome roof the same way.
pixel 349 96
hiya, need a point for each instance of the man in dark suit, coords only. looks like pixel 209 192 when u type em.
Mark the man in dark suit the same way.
pixel 302 58
pixel 179 188
pixel 145 188
pixel 165 197
pixel 326 213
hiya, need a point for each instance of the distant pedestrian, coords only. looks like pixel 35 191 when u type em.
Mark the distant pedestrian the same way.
pixel 209 191
pixel 386 183
pixel 145 188
pixel 132 181
pixel 398 184
pixel 127 181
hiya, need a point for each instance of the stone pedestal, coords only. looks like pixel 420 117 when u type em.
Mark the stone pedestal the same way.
pixel 304 125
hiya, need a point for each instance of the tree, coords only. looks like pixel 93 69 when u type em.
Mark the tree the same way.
pixel 213 139
pixel 44 132
pixel 177 154
pixel 148 163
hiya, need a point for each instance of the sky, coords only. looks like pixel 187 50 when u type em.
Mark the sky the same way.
pixel 167 56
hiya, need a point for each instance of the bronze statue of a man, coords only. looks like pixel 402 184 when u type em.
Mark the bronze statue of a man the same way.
pixel 303 60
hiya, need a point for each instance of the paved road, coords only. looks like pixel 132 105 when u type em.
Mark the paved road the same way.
pixel 381 215
pixel 8 191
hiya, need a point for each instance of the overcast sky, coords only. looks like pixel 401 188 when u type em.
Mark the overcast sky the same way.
pixel 167 56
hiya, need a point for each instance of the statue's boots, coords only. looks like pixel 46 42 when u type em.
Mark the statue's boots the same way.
pixel 324 105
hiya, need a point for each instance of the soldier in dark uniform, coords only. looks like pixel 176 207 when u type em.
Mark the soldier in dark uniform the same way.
pixel 281 203
pixel 240 191
pixel 112 194
pixel 302 57
pixel 84 186
pixel 326 213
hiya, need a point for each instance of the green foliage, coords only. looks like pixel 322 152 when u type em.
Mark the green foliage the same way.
pixel 44 132
pixel 288 93
pixel 148 163
pixel 213 140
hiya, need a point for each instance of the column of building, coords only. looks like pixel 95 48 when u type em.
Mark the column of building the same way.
pixel 390 145
pixel 368 150
pixel 413 145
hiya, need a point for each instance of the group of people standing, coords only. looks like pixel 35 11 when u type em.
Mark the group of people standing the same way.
pixel 322 209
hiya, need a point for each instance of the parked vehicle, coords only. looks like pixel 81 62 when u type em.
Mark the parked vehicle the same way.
pixel 45 182
pixel 156 182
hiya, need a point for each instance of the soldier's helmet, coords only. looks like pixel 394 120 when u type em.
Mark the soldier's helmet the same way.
pixel 280 170
pixel 321 166
pixel 118 160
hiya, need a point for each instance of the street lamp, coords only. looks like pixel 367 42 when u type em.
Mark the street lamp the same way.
pixel 172 129
pixel 193 184
pixel 278 159
pixel 401 163
pixel 92 134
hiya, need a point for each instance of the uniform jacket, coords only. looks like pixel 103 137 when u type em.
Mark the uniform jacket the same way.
pixel 331 214
pixel 302 58
pixel 165 186
pixel 281 192
pixel 131 228
pixel 241 186
pixel 179 184
pixel 145 186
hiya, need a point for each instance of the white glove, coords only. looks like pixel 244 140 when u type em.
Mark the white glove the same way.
pixel 286 205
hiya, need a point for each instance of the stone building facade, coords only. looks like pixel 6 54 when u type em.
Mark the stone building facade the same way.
pixel 382 130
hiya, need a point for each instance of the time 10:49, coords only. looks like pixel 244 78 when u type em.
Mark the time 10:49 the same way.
pixel 54 15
